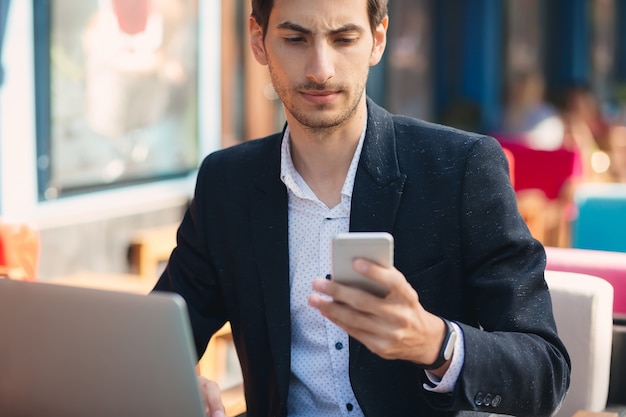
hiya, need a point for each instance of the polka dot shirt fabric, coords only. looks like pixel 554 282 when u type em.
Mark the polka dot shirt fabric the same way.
pixel 319 382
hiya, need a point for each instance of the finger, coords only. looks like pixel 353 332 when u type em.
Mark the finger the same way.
pixel 343 294
pixel 370 270
pixel 392 335
pixel 400 291
pixel 345 316
pixel 212 397
pixel 362 314
pixel 367 329
pixel 388 277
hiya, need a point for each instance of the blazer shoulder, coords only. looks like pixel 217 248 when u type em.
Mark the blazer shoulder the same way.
pixel 412 139
pixel 442 147
pixel 244 157
pixel 410 127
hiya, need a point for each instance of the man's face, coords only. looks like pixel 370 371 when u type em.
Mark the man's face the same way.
pixel 318 53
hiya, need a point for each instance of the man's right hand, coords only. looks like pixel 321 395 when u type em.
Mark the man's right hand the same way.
pixel 212 397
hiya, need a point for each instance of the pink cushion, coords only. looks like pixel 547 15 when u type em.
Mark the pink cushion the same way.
pixel 610 266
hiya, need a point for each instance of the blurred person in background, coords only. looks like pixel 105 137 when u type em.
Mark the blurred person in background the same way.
pixel 617 145
pixel 528 118
pixel 586 130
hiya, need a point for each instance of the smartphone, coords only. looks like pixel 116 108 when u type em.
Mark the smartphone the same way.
pixel 373 246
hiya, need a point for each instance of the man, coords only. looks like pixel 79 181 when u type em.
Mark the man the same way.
pixel 467 323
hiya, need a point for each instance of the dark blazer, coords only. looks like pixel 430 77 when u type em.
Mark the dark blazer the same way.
pixel 446 197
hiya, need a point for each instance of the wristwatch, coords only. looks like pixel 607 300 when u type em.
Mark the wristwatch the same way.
pixel 447 347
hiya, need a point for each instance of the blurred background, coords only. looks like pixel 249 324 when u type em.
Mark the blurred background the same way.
pixel 108 106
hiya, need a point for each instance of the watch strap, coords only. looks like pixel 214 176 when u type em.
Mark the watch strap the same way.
pixel 447 347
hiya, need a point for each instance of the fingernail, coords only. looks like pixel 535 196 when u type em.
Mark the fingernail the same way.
pixel 219 413
pixel 360 265
pixel 314 300
pixel 319 285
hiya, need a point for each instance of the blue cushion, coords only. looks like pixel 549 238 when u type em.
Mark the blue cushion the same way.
pixel 601 220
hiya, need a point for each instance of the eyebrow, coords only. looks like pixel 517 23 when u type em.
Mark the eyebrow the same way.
pixel 350 27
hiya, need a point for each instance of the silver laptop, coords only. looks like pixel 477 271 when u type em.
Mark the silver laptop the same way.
pixel 68 352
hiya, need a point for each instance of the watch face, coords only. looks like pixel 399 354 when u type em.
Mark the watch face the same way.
pixel 447 353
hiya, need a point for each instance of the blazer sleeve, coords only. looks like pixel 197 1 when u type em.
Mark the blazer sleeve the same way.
pixel 190 272
pixel 515 362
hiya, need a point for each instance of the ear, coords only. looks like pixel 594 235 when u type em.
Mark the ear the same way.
pixel 380 41
pixel 256 41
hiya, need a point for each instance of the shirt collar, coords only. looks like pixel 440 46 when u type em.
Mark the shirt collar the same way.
pixel 294 181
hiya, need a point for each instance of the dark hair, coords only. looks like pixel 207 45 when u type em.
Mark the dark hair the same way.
pixel 261 9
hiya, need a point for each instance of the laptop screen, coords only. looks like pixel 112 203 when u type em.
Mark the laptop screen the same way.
pixel 67 351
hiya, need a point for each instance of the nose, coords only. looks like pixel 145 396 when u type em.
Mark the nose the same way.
pixel 320 66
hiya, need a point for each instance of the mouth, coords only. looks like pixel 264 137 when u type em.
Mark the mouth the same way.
pixel 320 97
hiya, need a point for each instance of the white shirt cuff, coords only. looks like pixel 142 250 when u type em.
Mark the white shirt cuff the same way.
pixel 446 384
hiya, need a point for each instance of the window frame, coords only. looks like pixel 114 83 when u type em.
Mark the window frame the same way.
pixel 137 129
pixel 18 161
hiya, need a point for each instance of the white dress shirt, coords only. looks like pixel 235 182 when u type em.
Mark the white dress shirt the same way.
pixel 319 384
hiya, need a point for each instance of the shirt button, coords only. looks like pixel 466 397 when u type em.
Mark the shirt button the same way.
pixel 496 401
pixel 349 407
pixel 328 277
pixel 338 345
pixel 487 400
pixel 478 399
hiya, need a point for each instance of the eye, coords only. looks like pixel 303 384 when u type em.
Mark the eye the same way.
pixel 294 39
pixel 346 40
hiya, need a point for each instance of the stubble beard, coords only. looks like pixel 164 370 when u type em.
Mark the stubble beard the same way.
pixel 317 121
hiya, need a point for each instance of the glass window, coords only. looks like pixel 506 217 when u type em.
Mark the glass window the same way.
pixel 603 47
pixel 250 107
pixel 409 77
pixel 234 31
pixel 526 111
pixel 524 47
pixel 116 92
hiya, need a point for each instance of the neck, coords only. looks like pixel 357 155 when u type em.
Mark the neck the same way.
pixel 323 157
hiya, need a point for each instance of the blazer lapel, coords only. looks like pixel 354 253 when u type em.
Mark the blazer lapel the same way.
pixel 378 185
pixel 269 222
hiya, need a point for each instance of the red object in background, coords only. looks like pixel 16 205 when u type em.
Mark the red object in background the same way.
pixel 132 15
pixel 19 251
pixel 3 267
pixel 545 170
pixel 511 160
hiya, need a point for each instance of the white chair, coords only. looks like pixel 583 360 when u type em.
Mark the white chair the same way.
pixel 583 310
